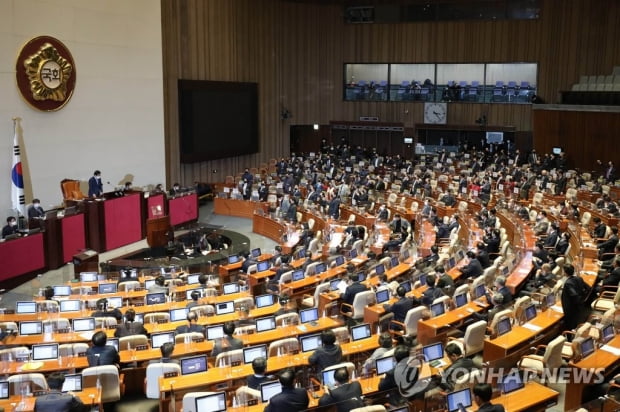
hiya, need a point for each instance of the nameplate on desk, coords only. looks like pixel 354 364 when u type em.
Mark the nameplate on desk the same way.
pixel 142 347
pixel 160 321
pixel 171 374
pixel 531 327
pixel 81 354
pixel 252 402
pixel 235 363
pixel 198 340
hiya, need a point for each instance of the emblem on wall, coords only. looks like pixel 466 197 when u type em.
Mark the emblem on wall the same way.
pixel 45 73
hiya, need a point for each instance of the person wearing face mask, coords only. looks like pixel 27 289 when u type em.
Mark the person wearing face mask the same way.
pixel 95 185
pixel 35 210
pixel 10 228
pixel 176 189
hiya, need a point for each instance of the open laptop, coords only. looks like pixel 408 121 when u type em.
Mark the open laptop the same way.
pixel 30 328
pixel 232 259
pixel 451 262
pixel 479 291
pixel 510 383
pixel 360 332
pixel 72 383
pixel 107 288
pixel 269 389
pixel 265 324
pixel 88 276
pixel 188 293
pixel 83 324
pixel 115 302
pixel 309 343
pixel 530 312
pixel 214 402
pixel 587 347
pixel 382 295
pixel 310 315
pixel 407 285
pixel 264 301
pixel 438 309
pixel 70 305
pixel 178 314
pixel 394 261
pixel 224 307
pixel 230 288
pixel 256 252
pixel 158 339
pixel 155 298
pixel 460 300
pixel 503 326
pixel 607 333
pixel 333 284
pixel 459 400
pixel 25 307
pixel 328 378
pixel 45 351
pixel 385 364
pixel 340 261
pixel 262 266
pixel 252 352
pixel 148 283
pixel 380 269
pixel 4 390
pixel 433 354
pixel 215 332
pixel 194 364
pixel 62 290
pixel 320 268
pixel 297 275
pixel 193 279
pixel 112 342
pixel 550 300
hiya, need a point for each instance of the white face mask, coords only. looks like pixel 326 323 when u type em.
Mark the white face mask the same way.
pixel 36 204
pixel 13 223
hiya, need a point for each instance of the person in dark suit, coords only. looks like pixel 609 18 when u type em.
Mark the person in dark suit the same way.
pixel 473 267
pixel 101 354
pixel 353 289
pixel 192 325
pixel 291 399
pixel 382 213
pixel 175 189
pixel 613 278
pixel 482 396
pixel 599 228
pixel 502 289
pixel 56 401
pixel 388 382
pixel 459 366
pixel 103 311
pixel 228 342
pixel 609 245
pixel 10 228
pixel 35 210
pixel 431 293
pixel 334 208
pixel 130 327
pixel 95 185
pixel 327 355
pixel 401 307
pixel 482 255
pixel 259 365
pixel 346 395
pixel 553 236
pixel 574 294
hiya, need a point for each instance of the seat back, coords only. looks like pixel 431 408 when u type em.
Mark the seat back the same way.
pixel 203 310
pixel 71 189
pixel 28 382
pixel 153 372
pixel 245 302
pixel 283 346
pixel 506 313
pixel 553 354
pixel 411 320
pixel 226 358
pixel 188 337
pixel 349 365
pixel 189 400
pixel 360 301
pixel 245 394
pixel 342 334
pixel 129 285
pixel 131 341
pixel 286 319
pixel 156 317
pixel 474 338
pixel 108 378
pixel 105 321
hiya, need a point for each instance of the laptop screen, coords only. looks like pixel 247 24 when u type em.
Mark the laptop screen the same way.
pixel 451 262
pixel 252 352
pixel 309 315
pixel 188 293
pixel 233 259
pixel 530 313
pixel 333 285
pixel 83 324
pixel 385 364
pixel 264 324
pixel 158 339
pixel 107 288
pixel 4 390
pixel 459 400
pixel 433 352
pixel 269 389
pixel 112 342
pixel 224 308
pixel 155 298
pixel 380 269
pixel 298 275
pixel 353 253
pixel 405 255
pixel 262 266
pixel 88 276
pixel 503 326
pixel 394 261
pixel 45 351
pixel 607 333
pixel 510 383
pixel 301 254
pixel 194 364
pixel 550 300
pixel 62 290
pixel 193 279
pixel 480 291
pixel 360 332
pixel 72 383
pixel 422 279
pixel 310 342
pixel 230 288
pixel 70 305
pixel 25 307
pixel 340 260
pixel 178 314
pixel 256 252
pixel 320 268
pixel 438 309
pixel 264 300
pixel 115 302
pixel 460 299
pixel 215 402
pixel 149 283
pixel 328 378
pixel 407 285
pixel 587 347
pixel 383 295
pixel 215 332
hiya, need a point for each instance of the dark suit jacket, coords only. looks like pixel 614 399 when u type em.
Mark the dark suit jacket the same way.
pixel 289 400
pixel 609 245
pixel 130 328
pixel 351 291
pixel 102 355
pixel 326 356
pixel 95 187
pixel 472 269
pixel 613 279
pixel 489 407
pixel 55 401
pixel 400 308
pixel 455 371
pixel 346 397
pixel 35 212
pixel 9 230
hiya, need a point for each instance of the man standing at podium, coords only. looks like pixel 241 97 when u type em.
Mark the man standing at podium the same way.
pixel 95 185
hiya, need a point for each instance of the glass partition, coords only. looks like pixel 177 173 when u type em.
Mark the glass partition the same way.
pixel 511 82
pixel 460 82
pixel 412 82
pixel 366 82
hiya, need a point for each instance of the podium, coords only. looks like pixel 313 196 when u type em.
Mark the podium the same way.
pixel 86 261
pixel 157 231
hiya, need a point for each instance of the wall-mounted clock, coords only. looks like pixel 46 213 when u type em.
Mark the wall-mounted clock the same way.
pixel 435 113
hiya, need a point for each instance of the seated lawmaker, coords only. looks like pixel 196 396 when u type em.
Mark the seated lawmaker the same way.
pixel 228 342
pixel 57 401
pixel 192 325
pixel 130 326
pixel 482 396
pixel 99 353
pixel 346 395
pixel 291 399
pixel 10 228
pixel 402 306
pixel 259 366
pixel 35 210
pixel 327 355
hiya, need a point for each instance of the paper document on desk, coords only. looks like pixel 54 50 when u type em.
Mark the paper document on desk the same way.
pixel 614 351
pixel 532 327
pixel 557 309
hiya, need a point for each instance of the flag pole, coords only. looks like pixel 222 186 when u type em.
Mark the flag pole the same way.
pixel 16 173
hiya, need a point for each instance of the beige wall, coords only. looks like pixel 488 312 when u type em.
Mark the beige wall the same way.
pixel 114 122
pixel 296 52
